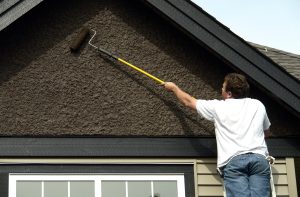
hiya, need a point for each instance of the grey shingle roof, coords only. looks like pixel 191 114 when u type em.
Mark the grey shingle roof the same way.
pixel 11 10
pixel 288 61
pixel 6 4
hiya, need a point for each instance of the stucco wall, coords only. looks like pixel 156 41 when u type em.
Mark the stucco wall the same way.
pixel 47 90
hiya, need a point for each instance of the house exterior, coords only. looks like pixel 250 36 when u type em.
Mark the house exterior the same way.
pixel 76 124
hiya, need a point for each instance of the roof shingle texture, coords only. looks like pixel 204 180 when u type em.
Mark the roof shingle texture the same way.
pixel 288 61
pixel 11 10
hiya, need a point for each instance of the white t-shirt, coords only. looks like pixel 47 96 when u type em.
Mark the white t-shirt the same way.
pixel 239 126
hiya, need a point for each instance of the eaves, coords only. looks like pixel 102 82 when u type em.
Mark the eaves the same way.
pixel 112 147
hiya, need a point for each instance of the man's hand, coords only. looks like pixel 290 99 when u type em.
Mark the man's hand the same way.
pixel 267 133
pixel 170 86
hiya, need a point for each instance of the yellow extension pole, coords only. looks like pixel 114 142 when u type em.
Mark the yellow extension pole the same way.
pixel 119 59
pixel 142 71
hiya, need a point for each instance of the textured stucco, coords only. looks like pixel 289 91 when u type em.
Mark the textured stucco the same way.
pixel 47 90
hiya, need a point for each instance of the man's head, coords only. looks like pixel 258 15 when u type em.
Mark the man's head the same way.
pixel 235 86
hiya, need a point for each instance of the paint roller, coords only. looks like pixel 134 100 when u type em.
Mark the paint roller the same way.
pixel 80 38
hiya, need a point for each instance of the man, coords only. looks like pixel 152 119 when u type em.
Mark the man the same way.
pixel 241 125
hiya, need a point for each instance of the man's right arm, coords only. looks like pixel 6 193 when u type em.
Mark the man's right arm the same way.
pixel 182 96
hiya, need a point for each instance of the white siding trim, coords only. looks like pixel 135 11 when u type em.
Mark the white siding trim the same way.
pixel 291 177
pixel 210 184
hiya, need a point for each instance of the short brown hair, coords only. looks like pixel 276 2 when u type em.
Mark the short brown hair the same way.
pixel 237 84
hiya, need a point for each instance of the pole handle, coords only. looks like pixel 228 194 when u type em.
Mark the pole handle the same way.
pixel 141 71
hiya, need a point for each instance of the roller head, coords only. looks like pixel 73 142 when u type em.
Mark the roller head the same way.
pixel 79 39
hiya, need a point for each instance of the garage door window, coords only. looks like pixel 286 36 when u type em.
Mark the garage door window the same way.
pixel 101 185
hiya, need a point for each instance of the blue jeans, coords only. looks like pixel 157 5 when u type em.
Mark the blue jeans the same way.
pixel 247 175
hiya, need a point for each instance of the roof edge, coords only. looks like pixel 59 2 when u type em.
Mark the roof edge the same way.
pixel 199 25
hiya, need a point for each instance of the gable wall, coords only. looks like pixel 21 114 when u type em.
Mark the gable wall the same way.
pixel 47 91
